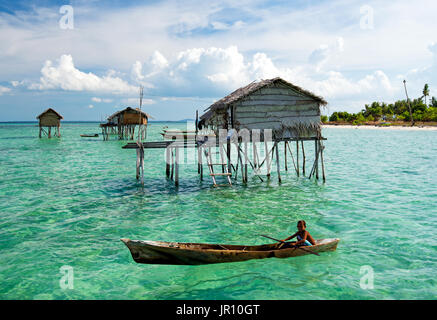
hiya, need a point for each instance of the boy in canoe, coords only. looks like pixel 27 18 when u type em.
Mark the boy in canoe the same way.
pixel 303 237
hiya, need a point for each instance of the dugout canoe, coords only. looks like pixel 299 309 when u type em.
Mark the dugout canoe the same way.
pixel 180 253
pixel 90 135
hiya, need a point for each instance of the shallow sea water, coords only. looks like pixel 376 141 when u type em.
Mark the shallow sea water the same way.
pixel 68 201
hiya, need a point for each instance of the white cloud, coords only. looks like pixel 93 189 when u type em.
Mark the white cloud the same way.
pixel 97 99
pixel 90 106
pixel 137 69
pixel 4 90
pixel 417 77
pixel 217 71
pixel 66 76
pixel 321 55
pixel 17 83
pixel 136 101
pixel 196 71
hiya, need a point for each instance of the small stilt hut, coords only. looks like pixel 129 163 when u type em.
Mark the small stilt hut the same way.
pixel 47 120
pixel 124 122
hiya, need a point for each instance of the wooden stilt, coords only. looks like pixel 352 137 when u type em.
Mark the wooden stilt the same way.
pixel 138 164
pixel 255 163
pixel 199 159
pixel 297 157
pixel 258 163
pixel 303 159
pixel 172 163
pixel 176 181
pixel 278 163
pixel 256 171
pixel 321 158
pixel 316 159
pixel 316 144
pixel 292 157
pixel 142 164
pixel 240 161
pixel 285 155
pixel 201 163
pixel 245 162
pixel 267 159
pixel 167 162
pixel 222 158
pixel 228 155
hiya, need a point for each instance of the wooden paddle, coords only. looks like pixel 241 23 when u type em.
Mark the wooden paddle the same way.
pixel 297 247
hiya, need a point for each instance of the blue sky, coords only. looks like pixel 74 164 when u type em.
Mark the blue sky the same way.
pixel 187 54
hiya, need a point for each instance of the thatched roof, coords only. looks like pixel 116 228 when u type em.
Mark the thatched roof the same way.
pixel 52 111
pixel 129 109
pixel 252 87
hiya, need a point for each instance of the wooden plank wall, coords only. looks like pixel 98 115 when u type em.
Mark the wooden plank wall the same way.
pixel 49 119
pixel 275 108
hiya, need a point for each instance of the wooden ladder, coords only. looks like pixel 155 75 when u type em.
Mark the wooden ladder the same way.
pixel 226 173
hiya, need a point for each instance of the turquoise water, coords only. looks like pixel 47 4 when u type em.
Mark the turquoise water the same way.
pixel 68 201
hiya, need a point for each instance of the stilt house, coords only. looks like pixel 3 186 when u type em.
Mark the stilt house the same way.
pixel 288 110
pixel 123 123
pixel 47 120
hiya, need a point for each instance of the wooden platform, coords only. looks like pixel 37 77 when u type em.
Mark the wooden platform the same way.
pixel 161 145
pixel 191 143
pixel 205 148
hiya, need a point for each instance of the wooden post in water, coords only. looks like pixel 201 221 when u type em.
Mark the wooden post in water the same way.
pixel 228 155
pixel 317 158
pixel 285 155
pixel 240 160
pixel 172 162
pixel 199 155
pixel 201 163
pixel 277 162
pixel 142 164
pixel 292 157
pixel 297 157
pixel 254 154
pixel 245 162
pixel 303 158
pixel 176 181
pixel 167 161
pixel 138 164
pixel 267 158
pixel 321 158
pixel 222 158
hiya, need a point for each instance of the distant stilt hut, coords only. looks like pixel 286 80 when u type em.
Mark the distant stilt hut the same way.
pixel 47 120
pixel 290 112
pixel 124 122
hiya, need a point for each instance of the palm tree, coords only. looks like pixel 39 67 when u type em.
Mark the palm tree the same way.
pixel 425 91
pixel 409 104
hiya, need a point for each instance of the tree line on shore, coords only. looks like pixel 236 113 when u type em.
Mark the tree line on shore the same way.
pixel 398 111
